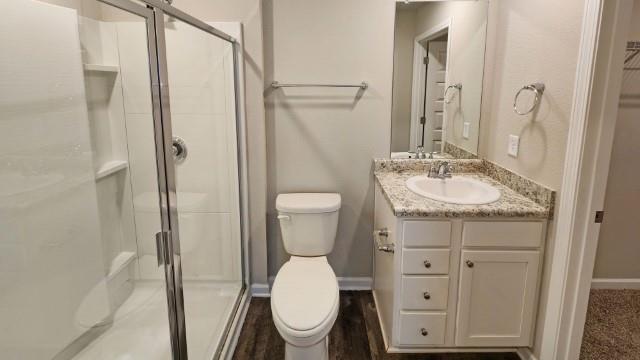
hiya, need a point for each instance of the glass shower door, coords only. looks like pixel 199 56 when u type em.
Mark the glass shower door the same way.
pixel 202 120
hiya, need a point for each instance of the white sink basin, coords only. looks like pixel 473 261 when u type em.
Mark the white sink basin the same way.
pixel 455 190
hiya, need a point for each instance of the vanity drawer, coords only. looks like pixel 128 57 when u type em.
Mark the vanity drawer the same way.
pixel 511 234
pixel 425 292
pixel 418 233
pixel 425 261
pixel 422 328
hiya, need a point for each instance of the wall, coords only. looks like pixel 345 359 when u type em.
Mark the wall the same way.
pixel 466 62
pixel 404 34
pixel 523 35
pixel 619 241
pixel 325 139
pixel 529 41
pixel 51 264
pixel 91 9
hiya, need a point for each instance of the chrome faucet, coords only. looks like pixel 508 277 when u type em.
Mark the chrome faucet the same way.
pixel 421 154
pixel 443 170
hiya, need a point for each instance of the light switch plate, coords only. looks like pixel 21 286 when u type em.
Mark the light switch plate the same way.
pixel 514 144
pixel 465 130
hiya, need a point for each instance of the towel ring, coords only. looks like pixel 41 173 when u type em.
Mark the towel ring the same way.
pixel 454 86
pixel 537 88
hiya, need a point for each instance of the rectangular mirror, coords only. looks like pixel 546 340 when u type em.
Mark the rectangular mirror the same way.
pixel 438 66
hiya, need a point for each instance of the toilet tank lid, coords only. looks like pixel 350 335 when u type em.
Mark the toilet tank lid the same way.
pixel 308 203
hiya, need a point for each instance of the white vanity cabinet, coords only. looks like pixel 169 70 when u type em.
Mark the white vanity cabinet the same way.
pixel 497 297
pixel 456 283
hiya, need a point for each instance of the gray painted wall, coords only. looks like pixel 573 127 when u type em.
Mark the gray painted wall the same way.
pixel 326 139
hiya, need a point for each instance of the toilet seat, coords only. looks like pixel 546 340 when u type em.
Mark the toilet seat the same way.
pixel 305 300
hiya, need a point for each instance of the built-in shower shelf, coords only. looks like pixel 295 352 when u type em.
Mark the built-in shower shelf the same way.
pixel 101 68
pixel 110 168
pixel 121 261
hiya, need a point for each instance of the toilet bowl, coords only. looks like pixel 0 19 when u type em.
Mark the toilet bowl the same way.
pixel 305 298
pixel 304 303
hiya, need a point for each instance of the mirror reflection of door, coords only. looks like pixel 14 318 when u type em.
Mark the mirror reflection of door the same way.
pixel 433 103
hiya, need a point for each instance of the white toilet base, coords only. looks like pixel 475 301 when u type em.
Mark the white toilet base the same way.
pixel 319 351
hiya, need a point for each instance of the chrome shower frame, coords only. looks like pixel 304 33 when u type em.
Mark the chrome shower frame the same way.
pixel 154 14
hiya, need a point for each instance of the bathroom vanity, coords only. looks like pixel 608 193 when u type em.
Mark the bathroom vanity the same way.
pixel 451 277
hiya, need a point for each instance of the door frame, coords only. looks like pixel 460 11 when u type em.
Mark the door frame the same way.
pixel 597 89
pixel 157 56
pixel 418 77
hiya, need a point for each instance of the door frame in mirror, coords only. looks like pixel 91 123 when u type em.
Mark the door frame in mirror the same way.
pixel 417 95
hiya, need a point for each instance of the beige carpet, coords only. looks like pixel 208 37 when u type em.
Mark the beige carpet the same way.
pixel 612 331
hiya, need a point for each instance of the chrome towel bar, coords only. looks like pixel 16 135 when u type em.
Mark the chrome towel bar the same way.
pixel 363 85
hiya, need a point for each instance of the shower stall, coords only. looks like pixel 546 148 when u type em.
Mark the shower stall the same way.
pixel 122 181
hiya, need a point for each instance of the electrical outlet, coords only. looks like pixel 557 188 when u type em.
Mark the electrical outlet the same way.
pixel 465 130
pixel 514 144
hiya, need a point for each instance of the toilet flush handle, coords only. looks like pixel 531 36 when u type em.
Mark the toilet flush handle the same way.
pixel 284 217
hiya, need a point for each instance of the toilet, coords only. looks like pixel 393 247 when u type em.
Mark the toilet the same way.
pixel 305 297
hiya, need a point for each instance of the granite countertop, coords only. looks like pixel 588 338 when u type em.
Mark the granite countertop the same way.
pixel 406 203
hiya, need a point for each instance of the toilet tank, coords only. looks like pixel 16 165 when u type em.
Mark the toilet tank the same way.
pixel 308 222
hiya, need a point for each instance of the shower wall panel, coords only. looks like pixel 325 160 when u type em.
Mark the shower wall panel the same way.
pixel 52 285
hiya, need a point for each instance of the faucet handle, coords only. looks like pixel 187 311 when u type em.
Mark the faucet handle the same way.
pixel 452 168
pixel 444 170
pixel 433 171
pixel 448 169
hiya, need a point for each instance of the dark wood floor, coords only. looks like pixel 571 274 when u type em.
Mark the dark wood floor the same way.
pixel 355 334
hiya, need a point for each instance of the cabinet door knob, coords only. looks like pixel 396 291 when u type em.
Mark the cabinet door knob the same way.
pixel 427 264
pixel 424 332
pixel 426 295
pixel 469 263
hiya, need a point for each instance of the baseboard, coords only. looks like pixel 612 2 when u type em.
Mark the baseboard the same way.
pixel 260 290
pixel 344 283
pixel 616 284
pixel 526 354
pixel 355 283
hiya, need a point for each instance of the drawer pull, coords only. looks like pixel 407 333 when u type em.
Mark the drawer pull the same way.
pixel 469 263
pixel 424 332
pixel 426 295
pixel 427 264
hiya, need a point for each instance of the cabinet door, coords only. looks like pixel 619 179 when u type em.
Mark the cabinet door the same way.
pixel 496 303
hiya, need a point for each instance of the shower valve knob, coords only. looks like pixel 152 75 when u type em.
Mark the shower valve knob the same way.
pixel 179 149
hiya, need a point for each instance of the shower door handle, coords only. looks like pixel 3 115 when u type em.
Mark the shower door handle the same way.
pixel 162 243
